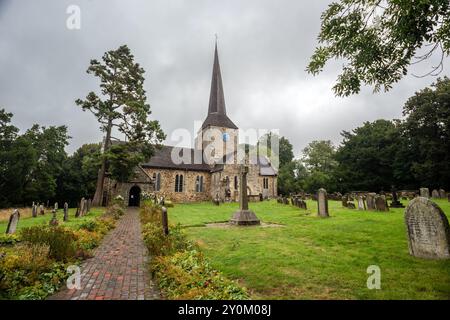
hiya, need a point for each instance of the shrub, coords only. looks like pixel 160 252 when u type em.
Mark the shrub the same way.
pixel 115 211
pixel 61 241
pixel 87 240
pixel 159 244
pixel 150 213
pixel 89 225
pixel 8 239
pixel 188 275
pixel 27 273
pixel 168 204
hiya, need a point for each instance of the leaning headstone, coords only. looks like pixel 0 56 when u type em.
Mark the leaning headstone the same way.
pixel 322 203
pixel 351 205
pixel 66 212
pixel 361 203
pixel 13 221
pixel 34 210
pixel 428 230
pixel 442 193
pixel 435 194
pixel 370 201
pixel 381 203
pixel 424 192
pixel 244 216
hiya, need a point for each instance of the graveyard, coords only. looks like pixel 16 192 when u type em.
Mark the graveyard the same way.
pixel 308 257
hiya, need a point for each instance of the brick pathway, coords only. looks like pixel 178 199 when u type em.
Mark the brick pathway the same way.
pixel 118 269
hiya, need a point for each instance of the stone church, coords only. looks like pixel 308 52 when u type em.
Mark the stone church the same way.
pixel 203 179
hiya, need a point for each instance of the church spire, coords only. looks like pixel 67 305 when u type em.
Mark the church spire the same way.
pixel 216 96
pixel 217 113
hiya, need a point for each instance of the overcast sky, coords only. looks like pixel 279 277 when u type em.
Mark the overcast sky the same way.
pixel 264 48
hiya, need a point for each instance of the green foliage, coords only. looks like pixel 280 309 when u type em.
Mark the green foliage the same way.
pixel 181 271
pixel 379 40
pixel 425 136
pixel 123 106
pixel 27 272
pixel 60 240
pixel 187 275
pixel 8 239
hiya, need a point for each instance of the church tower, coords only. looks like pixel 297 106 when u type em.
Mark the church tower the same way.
pixel 218 135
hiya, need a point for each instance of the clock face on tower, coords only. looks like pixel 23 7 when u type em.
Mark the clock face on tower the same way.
pixel 225 137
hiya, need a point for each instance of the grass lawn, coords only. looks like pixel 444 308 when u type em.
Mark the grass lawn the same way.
pixel 314 258
pixel 45 219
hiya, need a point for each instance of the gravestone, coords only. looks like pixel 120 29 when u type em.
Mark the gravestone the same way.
pixel 85 207
pixel 41 209
pixel 428 230
pixel 435 194
pixel 370 201
pixel 66 211
pixel 89 205
pixel 285 201
pixel 381 204
pixel 301 204
pixel 345 201
pixel 322 203
pixel 54 220
pixel 424 192
pixel 442 193
pixel 165 221
pixel 82 204
pixel 395 202
pixel 13 221
pixel 56 206
pixel 361 203
pixel 34 210
pixel 77 213
pixel 244 216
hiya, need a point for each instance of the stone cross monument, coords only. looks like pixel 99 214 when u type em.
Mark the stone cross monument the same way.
pixel 244 216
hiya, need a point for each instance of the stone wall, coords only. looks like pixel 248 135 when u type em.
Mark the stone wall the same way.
pixel 189 193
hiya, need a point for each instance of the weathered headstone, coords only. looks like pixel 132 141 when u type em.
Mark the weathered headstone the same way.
pixel 66 211
pixel 82 206
pixel 424 192
pixel 381 203
pixel 89 205
pixel 34 210
pixel 56 206
pixel 54 220
pixel 322 203
pixel 216 200
pixel 435 194
pixel 77 212
pixel 428 230
pixel 361 203
pixel 370 201
pixel 13 221
pixel 41 209
pixel 244 216
pixel 351 205
pixel 442 194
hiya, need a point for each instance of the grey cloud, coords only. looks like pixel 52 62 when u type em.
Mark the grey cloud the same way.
pixel 264 47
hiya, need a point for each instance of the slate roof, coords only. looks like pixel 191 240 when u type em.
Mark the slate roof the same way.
pixel 163 159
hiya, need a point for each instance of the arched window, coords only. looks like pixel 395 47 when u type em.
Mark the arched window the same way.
pixel 179 183
pixel 265 183
pixel 235 182
pixel 199 184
